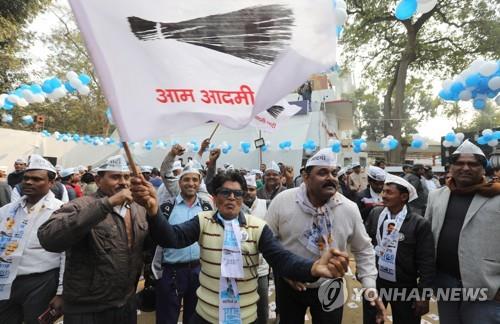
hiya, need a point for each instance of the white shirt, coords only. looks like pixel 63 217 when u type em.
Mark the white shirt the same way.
pixel 15 195
pixel 35 259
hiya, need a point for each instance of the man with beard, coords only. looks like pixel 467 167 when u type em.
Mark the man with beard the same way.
pixel 272 183
pixel 465 222
pixel 370 197
pixel 31 277
pixel 104 238
pixel 258 208
pixel 308 221
pixel 404 247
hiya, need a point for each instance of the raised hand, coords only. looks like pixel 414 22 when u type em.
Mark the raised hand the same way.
pixel 121 197
pixel 144 194
pixel 177 150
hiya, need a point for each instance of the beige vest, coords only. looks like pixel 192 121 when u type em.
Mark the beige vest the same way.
pixel 211 241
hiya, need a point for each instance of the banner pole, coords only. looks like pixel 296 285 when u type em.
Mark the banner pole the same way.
pixel 133 167
pixel 213 132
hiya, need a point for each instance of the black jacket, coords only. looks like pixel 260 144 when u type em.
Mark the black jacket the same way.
pixel 415 257
pixel 363 209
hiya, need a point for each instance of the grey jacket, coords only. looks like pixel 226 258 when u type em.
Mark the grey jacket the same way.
pixel 478 247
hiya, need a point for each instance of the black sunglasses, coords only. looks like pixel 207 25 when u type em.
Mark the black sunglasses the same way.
pixel 225 192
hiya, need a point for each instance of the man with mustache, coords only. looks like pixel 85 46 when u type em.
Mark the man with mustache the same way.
pixel 308 221
pixel 30 277
pixel 104 237
pixel 465 216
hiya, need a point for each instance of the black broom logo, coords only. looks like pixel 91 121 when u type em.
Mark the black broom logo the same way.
pixel 256 34
pixel 275 111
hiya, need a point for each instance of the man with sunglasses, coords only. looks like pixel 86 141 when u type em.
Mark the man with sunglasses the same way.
pixel 465 216
pixel 309 220
pixel 230 242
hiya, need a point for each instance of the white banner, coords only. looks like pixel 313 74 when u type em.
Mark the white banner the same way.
pixel 169 65
pixel 270 119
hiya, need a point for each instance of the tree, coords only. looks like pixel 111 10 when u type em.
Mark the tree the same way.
pixel 440 42
pixel 14 16
pixel 488 118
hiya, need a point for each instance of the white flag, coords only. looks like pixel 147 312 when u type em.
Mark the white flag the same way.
pixel 170 65
pixel 270 119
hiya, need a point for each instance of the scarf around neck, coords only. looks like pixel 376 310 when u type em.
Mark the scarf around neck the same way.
pixel 486 189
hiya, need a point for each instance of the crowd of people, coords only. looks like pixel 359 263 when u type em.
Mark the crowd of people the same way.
pixel 207 238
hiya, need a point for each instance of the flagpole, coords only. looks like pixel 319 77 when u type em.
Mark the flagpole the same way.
pixel 213 132
pixel 132 165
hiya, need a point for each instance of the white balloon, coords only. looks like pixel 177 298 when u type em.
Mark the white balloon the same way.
pixel 494 83
pixel 363 146
pixel 446 144
pixel 340 16
pixel 39 98
pixel 447 84
pixel 71 75
pixel 22 103
pixel 340 4
pixel 488 68
pixel 425 6
pixel 487 131
pixel 476 64
pixel 460 136
pixel 384 141
pixel 29 96
pixel 390 137
pixel 84 90
pixel 75 83
pixel 59 92
pixel 497 100
pixel 13 98
pixel 465 95
pixel 493 143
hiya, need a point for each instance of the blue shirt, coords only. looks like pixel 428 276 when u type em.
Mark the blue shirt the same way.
pixel 180 214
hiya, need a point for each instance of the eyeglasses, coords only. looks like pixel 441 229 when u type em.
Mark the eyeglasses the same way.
pixel 225 192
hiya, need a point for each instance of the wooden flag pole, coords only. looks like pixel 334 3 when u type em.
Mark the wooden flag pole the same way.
pixel 133 167
pixel 213 132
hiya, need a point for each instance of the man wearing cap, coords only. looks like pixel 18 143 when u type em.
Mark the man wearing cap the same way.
pixel 431 182
pixel 307 221
pixel 272 183
pixel 5 190
pixel 67 179
pixel 357 179
pixel 404 248
pixel 177 270
pixel 370 197
pixel 17 176
pixel 465 222
pixel 104 236
pixel 415 177
pixel 30 277
pixel 258 208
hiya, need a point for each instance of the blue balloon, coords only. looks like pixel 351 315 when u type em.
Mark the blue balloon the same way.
pixel 479 103
pixel 356 149
pixel 7 105
pixel 483 84
pixel 450 137
pixel 264 148
pixel 336 147
pixel 482 140
pixel 339 29
pixel 417 143
pixel 393 143
pixel 68 87
pixel 84 78
pixel 491 94
pixel 473 80
pixel 456 87
pixel 406 9
pixel 76 138
pixel 445 94
pixel 47 87
pixel 35 88
pixel 55 83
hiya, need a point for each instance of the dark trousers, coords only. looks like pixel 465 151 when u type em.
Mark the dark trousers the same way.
pixel 294 304
pixel 29 297
pixel 263 303
pixel 177 285
pixel 127 314
pixel 402 312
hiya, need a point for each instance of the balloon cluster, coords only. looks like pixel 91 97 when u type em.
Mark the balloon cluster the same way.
pixel 161 144
pixel 479 81
pixel 285 145
pixel 407 8
pixel 452 139
pixel 335 145
pixel 245 147
pixel 340 12
pixel 147 145
pixel 226 147
pixel 27 120
pixel 418 142
pixel 389 143
pixel 489 137
pixel 192 146
pixel 359 145
pixel 309 146
pixel 53 89
pixel 7 118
